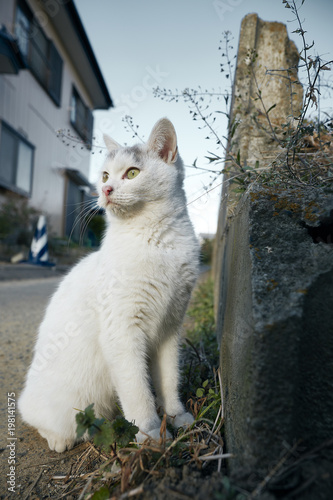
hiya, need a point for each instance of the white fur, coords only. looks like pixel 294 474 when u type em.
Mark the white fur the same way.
pixel 112 327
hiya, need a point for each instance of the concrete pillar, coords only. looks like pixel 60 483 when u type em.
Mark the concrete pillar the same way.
pixel 274 74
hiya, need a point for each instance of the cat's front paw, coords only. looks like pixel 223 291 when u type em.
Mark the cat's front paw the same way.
pixel 56 442
pixel 154 434
pixel 183 420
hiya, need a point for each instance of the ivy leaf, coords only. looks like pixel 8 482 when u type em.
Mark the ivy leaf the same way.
pixel 105 432
pixel 118 431
pixel 86 421
pixel 105 437
pixel 124 431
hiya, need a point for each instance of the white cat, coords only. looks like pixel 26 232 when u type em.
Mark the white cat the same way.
pixel 111 329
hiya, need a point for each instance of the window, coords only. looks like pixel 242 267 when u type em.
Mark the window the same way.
pixel 22 29
pixel 81 118
pixel 39 52
pixel 16 161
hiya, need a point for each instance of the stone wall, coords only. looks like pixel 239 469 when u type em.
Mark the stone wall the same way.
pixel 274 277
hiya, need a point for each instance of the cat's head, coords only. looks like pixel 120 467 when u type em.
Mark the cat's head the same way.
pixel 136 176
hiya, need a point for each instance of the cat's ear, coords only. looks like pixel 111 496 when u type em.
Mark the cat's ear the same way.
pixel 110 143
pixel 163 140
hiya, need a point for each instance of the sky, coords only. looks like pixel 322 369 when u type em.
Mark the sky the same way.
pixel 174 44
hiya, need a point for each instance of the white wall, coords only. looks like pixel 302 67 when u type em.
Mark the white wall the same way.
pixel 27 107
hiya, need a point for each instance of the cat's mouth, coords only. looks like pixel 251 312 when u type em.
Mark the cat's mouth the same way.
pixel 115 207
pixel 111 203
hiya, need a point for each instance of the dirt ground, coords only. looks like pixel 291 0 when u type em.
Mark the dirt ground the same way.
pixel 22 306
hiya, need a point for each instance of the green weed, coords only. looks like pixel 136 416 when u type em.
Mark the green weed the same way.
pixel 105 433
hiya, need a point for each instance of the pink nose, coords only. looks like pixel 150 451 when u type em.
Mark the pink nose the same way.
pixel 107 190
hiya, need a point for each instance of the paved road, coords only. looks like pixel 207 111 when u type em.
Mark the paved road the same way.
pixel 25 271
pixel 22 305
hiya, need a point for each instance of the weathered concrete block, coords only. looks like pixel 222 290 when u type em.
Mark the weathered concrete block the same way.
pixel 251 136
pixel 276 323
pixel 267 64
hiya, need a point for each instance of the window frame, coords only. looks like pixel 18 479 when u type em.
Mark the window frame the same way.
pixel 11 186
pixel 85 131
pixel 51 63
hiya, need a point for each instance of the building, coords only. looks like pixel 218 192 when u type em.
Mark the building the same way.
pixel 49 81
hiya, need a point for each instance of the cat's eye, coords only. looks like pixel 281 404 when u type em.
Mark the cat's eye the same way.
pixel 105 176
pixel 131 173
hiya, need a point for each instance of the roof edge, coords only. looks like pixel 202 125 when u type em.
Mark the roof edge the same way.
pixel 81 33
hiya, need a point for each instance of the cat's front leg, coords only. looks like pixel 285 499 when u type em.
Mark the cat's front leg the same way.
pixel 165 373
pixel 128 365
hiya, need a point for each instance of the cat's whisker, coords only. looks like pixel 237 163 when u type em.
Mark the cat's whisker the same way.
pixel 87 219
pixel 78 218
pixel 81 215
pixel 82 203
pixel 79 205
pixel 82 222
